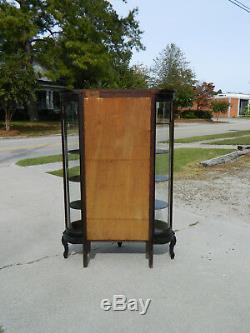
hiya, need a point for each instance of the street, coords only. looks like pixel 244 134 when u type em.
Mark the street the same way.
pixel 12 150
pixel 183 130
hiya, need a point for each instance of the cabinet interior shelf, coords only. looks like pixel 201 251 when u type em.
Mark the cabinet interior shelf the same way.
pixel 161 151
pixel 159 204
pixel 163 123
pixel 158 151
pixel 75 179
pixel 75 204
pixel 160 178
pixel 74 151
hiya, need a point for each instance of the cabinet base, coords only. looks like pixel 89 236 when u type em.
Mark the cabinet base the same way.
pixel 72 235
pixel 163 234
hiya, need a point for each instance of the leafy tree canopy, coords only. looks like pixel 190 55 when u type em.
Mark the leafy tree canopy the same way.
pixel 171 70
pixel 17 85
pixel 82 41
pixel 219 106
pixel 136 76
pixel 203 95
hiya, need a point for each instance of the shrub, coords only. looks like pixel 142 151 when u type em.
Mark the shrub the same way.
pixel 196 114
pixel 219 107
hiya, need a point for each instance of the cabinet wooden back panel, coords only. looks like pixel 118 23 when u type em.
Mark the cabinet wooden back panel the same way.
pixel 117 134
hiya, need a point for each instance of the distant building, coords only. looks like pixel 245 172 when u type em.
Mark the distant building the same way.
pixel 238 104
pixel 47 96
pixel 47 102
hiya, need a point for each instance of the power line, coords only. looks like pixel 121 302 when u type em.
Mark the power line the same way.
pixel 240 5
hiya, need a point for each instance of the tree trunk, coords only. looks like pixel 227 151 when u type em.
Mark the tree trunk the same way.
pixel 8 116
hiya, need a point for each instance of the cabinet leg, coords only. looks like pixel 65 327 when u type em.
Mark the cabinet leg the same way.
pixel 150 254
pixel 119 244
pixel 89 247
pixel 171 247
pixel 146 249
pixel 85 254
pixel 66 248
pixel 85 260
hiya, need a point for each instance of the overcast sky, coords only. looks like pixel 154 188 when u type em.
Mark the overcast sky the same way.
pixel 213 34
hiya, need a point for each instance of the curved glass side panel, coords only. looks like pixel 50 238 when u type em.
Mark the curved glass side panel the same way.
pixel 71 160
pixel 162 172
pixel 164 160
pixel 163 110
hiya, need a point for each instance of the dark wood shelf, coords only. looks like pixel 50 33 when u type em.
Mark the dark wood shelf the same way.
pixel 162 232
pixel 161 151
pixel 75 204
pixel 75 179
pixel 160 204
pixel 159 178
pixel 74 151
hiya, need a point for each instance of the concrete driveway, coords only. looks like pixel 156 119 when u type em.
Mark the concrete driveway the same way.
pixel 205 289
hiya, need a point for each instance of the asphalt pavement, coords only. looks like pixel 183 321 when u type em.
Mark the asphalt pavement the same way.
pixel 14 149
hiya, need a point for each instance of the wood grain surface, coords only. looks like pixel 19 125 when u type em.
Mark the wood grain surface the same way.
pixel 117 167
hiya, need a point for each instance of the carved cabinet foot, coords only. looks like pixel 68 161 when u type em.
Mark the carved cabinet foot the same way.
pixel 66 248
pixel 171 247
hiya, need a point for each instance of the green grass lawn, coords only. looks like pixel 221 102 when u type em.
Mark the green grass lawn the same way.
pixel 185 161
pixel 245 140
pixel 45 160
pixel 75 171
pixel 213 136
pixel 31 128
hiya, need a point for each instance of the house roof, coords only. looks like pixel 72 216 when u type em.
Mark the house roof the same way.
pixel 233 95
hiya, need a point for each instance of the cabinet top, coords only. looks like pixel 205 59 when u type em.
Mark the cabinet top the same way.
pixel 109 93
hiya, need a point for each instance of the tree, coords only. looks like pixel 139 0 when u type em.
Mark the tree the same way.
pixel 17 86
pixel 219 106
pixel 93 45
pixel 203 95
pixel 82 43
pixel 219 92
pixel 171 71
pixel 136 76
